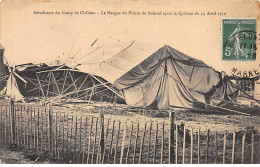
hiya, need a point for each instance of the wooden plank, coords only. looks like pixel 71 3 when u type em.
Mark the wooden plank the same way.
pixel 46 130
pixel 34 129
pixel 6 120
pixel 224 148
pixel 58 141
pixel 130 143
pixel 56 135
pixel 1 124
pixel 31 129
pixel 252 147
pixel 17 126
pixel 149 143
pixel 85 140
pixel 243 148
pixel 136 140
pixel 75 141
pixel 199 146
pixel 27 128
pixel 104 152
pixel 89 139
pixel 67 135
pixel 162 143
pixel 38 127
pixel 155 144
pixel 111 142
pixel 191 146
pixel 63 133
pixel 117 138
pixel 184 144
pixel 80 135
pixel 101 137
pixel 50 132
pixel 171 138
pixel 142 144
pixel 94 144
pixel 207 146
pixel 216 147
pixel 123 145
pixel 176 144
pixel 233 147
pixel 71 132
pixel 41 130
pixel 21 124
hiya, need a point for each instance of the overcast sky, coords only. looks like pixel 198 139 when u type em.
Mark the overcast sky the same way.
pixel 29 37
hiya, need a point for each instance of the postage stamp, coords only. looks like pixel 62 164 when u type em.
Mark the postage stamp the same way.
pixel 239 39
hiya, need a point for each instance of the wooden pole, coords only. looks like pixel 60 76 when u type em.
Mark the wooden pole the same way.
pixel 56 134
pixel 41 130
pixel 38 126
pixel 224 147
pixel 155 144
pixel 191 146
pixel 233 147
pixel 85 140
pixel 142 144
pixel 136 140
pixel 101 137
pixel 243 148
pixel 89 139
pixel 34 130
pixel 207 146
pixel 104 152
pixel 80 136
pixel 75 145
pixel 130 142
pixel 176 144
pixel 123 145
pixel 162 143
pixel 184 143
pixel 94 144
pixel 149 143
pixel 171 137
pixel 216 147
pixel 117 138
pixel 50 131
pixel 199 146
pixel 252 148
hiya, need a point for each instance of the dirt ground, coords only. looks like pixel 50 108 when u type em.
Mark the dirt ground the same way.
pixel 214 120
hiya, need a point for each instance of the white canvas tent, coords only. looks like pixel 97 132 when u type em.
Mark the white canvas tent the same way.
pixel 12 90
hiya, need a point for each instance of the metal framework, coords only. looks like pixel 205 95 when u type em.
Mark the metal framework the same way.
pixel 63 85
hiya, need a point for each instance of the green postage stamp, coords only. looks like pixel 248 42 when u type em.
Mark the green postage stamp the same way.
pixel 238 39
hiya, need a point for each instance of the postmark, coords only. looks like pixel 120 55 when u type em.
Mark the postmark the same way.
pixel 239 39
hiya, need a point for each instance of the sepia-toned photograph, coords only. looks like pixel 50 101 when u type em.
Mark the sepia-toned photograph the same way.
pixel 129 82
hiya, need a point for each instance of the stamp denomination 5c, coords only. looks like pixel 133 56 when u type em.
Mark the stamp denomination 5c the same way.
pixel 238 39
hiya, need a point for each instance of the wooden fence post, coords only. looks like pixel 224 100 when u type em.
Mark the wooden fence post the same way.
pixel 123 144
pixel 207 147
pixel 243 148
pixel 184 143
pixel 50 131
pixel 252 148
pixel 199 146
pixel 224 148
pixel 233 147
pixel 13 121
pixel 176 144
pixel 191 146
pixel 155 143
pixel 216 147
pixel 171 137
pixel 142 144
pixel 102 135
